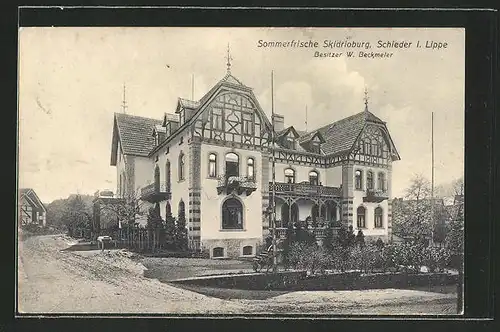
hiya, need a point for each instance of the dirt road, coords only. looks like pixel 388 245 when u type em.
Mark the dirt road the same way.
pixel 55 281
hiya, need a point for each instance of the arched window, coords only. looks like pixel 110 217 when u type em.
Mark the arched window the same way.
pixel 381 181
pixel 361 217
pixel 181 212
pixel 369 180
pixel 212 165
pixel 120 192
pixel 168 210
pixel 232 214
pixel 378 217
pixel 157 178
pixel 181 166
pixel 167 173
pixel 247 250
pixel 218 252
pixel 289 175
pixel 313 178
pixel 251 169
pixel 232 165
pixel 124 185
pixel 358 179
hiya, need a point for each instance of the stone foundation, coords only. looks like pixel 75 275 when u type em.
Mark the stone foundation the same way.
pixel 232 248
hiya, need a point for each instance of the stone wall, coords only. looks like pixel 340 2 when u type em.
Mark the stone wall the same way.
pixel 233 248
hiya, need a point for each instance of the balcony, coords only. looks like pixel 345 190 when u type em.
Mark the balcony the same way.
pixel 305 189
pixel 375 196
pixel 319 232
pixel 238 184
pixel 155 192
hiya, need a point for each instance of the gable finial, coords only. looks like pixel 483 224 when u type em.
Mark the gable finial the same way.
pixel 228 58
pixel 366 99
pixel 124 101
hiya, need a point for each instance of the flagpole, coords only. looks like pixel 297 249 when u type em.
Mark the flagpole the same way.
pixel 432 179
pixel 273 191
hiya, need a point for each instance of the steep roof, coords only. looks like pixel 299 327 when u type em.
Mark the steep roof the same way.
pixel 134 133
pixel 341 135
pixel 32 197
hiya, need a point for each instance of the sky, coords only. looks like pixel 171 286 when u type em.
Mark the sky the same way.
pixel 71 83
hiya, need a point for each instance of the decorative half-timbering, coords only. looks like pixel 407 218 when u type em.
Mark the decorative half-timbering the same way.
pixel 372 147
pixel 232 117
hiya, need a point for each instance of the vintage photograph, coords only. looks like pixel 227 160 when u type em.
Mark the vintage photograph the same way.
pixel 245 171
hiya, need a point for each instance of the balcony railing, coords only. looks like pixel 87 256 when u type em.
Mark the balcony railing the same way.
pixel 305 189
pixel 375 196
pixel 239 184
pixel 155 192
pixel 319 232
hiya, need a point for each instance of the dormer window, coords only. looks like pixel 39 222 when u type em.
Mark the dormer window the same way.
pixel 290 142
pixel 315 147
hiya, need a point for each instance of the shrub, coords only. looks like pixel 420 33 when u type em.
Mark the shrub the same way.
pixel 409 255
pixel 437 258
pixel 340 258
pixel 308 256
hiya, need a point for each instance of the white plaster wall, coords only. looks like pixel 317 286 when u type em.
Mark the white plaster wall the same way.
pixel 370 207
pixel 143 171
pixel 211 202
pixel 179 188
pixel 333 176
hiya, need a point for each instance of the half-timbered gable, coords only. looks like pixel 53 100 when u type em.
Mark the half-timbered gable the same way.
pixel 374 146
pixel 232 115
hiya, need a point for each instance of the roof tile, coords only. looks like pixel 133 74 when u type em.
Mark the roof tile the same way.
pixel 135 133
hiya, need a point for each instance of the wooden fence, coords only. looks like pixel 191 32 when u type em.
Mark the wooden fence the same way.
pixel 138 239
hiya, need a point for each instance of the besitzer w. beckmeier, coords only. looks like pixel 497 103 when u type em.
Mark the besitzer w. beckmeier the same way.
pixel 212 157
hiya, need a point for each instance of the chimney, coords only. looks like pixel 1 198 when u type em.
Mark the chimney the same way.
pixel 278 122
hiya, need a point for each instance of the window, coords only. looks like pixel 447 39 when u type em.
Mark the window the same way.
pixel 358 175
pixel 361 217
pixel 247 250
pixel 232 214
pixel 155 134
pixel 218 252
pixel 289 175
pixel 313 178
pixel 378 217
pixel 120 192
pixel 167 173
pixel 290 142
pixel 369 180
pixel 157 178
pixel 381 181
pixel 217 119
pixel 168 210
pixel 315 147
pixel 232 165
pixel 181 166
pixel 247 124
pixel 250 169
pixel 212 165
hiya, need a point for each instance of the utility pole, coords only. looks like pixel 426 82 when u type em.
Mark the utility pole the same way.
pixel 432 179
pixel 273 191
